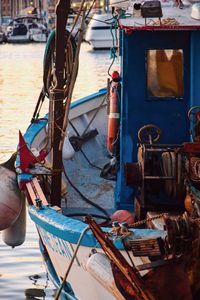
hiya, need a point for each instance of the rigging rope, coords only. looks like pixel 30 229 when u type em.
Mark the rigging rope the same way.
pixel 49 58
pixel 72 83
pixel 114 25
pixel 71 262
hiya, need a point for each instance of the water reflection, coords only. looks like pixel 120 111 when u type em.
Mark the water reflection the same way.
pixel 22 272
pixel 21 81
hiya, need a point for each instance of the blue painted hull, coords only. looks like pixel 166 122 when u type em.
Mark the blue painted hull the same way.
pixel 154 160
pixel 60 234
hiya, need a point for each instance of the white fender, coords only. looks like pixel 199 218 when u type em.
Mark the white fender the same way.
pixel 68 150
pixel 10 202
pixel 16 233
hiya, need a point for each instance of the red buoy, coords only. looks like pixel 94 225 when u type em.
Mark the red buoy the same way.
pixel 123 216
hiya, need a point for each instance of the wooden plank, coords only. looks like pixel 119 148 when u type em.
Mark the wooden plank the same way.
pixel 31 193
pixel 35 192
pixel 39 191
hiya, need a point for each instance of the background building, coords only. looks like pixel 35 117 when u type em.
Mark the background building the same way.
pixel 5 10
pixel 12 8
pixel 49 9
pixel 46 8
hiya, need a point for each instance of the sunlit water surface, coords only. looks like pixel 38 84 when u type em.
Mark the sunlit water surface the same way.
pixel 21 268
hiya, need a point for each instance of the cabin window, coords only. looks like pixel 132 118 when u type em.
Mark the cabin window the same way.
pixel 165 73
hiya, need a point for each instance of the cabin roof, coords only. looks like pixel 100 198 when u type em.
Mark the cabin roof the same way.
pixel 174 18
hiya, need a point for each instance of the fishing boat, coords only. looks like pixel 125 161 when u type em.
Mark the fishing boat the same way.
pixel 112 180
pixel 25 29
pixel 101 32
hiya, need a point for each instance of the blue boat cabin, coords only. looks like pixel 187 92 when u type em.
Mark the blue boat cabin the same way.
pixel 160 73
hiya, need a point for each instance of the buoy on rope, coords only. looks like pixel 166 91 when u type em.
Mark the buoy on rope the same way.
pixel 15 234
pixel 10 195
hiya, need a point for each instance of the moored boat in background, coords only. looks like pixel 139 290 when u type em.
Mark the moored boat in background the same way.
pixel 25 29
pixel 102 31
pixel 2 36
pixel 127 158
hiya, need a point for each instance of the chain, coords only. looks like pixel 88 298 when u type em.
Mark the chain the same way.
pixel 120 232
pixel 142 222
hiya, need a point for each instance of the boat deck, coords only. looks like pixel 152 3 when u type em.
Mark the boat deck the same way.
pixel 92 186
pixel 173 18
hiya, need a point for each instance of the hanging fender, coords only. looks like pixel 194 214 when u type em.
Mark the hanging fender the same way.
pixel 114 113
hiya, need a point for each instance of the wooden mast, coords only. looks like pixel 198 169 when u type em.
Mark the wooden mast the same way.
pixel 57 97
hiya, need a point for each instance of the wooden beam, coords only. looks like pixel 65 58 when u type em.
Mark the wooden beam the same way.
pixel 62 11
pixel 35 193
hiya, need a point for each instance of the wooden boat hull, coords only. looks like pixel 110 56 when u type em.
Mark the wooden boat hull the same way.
pixel 144 178
pixel 59 234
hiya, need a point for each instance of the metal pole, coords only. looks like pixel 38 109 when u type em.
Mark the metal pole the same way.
pixel 0 14
pixel 14 8
pixel 11 9
pixel 62 10
pixel 40 8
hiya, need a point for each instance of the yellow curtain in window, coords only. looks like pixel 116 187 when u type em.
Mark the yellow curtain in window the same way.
pixel 169 73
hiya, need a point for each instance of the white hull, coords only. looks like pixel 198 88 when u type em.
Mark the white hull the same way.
pixel 84 285
pixel 90 280
pixel 99 33
pixel 39 38
pixel 101 44
pixel 26 29
pixel 19 39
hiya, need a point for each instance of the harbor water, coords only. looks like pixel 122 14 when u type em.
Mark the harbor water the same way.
pixel 22 273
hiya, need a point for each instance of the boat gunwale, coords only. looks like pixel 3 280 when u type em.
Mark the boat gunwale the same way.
pixel 160 28
pixel 62 227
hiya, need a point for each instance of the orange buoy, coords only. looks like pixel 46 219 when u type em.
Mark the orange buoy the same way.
pixel 114 115
pixel 189 203
pixel 123 216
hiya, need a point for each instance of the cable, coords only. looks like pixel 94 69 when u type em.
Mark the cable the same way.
pixel 89 162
